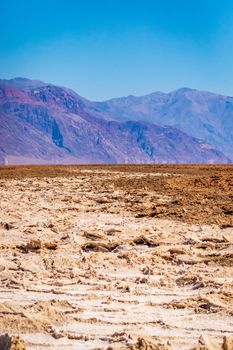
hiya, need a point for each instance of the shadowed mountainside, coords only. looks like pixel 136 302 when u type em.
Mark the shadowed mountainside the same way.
pixel 43 123
pixel 200 114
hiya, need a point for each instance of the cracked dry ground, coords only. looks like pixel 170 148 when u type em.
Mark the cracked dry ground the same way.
pixel 95 257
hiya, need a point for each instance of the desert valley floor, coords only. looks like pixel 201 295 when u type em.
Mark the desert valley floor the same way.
pixel 117 257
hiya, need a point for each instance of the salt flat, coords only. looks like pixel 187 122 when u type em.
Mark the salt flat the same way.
pixel 99 257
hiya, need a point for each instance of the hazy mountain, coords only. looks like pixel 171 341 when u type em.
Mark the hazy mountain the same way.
pixel 200 114
pixel 43 123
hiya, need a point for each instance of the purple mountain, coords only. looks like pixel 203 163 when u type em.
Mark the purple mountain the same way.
pixel 43 123
pixel 200 114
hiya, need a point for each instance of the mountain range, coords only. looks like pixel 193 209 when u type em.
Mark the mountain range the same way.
pixel 43 123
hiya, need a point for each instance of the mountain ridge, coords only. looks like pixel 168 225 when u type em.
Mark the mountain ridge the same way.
pixel 201 114
pixel 66 127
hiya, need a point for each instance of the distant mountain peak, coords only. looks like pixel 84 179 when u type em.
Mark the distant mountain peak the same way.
pixel 22 79
pixel 22 83
pixel 184 89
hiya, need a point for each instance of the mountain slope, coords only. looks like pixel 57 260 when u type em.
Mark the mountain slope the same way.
pixel 43 123
pixel 200 114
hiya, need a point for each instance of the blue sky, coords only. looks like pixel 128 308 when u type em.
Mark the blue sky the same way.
pixel 105 49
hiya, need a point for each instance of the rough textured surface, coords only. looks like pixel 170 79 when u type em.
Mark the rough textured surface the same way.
pixel 11 343
pixel 83 267
pixel 43 123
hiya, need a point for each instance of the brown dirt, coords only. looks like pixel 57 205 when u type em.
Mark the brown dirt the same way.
pixel 195 194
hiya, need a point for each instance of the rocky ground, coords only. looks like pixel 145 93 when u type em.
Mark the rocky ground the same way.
pixel 116 257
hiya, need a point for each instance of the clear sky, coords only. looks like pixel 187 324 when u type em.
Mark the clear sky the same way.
pixel 111 48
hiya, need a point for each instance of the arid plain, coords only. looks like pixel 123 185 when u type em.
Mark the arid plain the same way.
pixel 116 257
